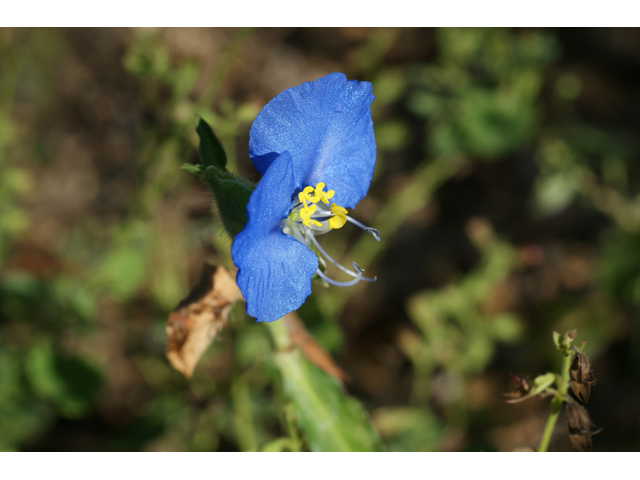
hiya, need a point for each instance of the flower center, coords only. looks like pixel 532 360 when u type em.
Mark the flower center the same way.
pixel 312 215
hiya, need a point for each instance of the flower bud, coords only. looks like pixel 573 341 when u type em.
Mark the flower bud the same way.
pixel 563 342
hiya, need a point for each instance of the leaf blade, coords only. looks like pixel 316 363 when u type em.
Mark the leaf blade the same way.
pixel 211 150
pixel 331 420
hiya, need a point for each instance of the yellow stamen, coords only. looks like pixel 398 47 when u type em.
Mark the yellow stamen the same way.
pixel 310 196
pixel 305 196
pixel 321 195
pixel 339 216
pixel 306 213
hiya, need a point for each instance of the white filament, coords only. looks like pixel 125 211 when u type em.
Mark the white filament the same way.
pixel 344 269
pixel 305 235
pixel 372 231
pixel 342 284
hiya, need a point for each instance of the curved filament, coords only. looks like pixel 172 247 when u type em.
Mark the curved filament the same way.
pixel 344 269
pixel 372 231
pixel 342 284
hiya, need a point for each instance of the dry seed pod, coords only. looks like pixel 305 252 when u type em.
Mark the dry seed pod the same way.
pixel 581 376
pixel 581 428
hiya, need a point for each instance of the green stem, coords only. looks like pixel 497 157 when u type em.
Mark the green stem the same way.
pixel 243 418
pixel 292 431
pixel 282 342
pixel 279 335
pixel 557 402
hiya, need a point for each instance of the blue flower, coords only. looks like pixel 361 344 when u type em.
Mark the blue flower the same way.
pixel 314 146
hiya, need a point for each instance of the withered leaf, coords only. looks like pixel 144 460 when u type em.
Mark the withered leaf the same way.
pixel 198 319
pixel 311 350
pixel 520 392
pixel 581 428
pixel 581 376
pixel 520 381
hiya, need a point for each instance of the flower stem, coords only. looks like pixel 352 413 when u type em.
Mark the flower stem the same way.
pixel 557 402
pixel 292 431
pixel 282 342
pixel 279 334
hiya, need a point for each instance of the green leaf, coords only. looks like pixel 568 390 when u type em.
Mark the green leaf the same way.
pixel 69 383
pixel 21 415
pixel 232 195
pixel 540 384
pixel 191 168
pixel 331 420
pixel 557 339
pixel 408 429
pixel 9 380
pixel 279 445
pixel 211 150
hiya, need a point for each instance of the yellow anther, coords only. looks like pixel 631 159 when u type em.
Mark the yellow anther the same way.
pixel 305 215
pixel 321 195
pixel 337 209
pixel 305 196
pixel 339 216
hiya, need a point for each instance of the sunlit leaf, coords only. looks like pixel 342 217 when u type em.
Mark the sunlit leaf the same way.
pixel 191 168
pixel 331 420
pixel 540 384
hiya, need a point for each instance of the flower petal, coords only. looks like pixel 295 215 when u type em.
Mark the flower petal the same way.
pixel 274 269
pixel 326 126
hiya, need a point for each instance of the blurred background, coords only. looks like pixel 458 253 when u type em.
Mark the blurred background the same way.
pixel 506 191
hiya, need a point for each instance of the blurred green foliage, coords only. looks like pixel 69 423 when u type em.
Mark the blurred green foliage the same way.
pixel 481 97
pixel 457 334
pixel 83 298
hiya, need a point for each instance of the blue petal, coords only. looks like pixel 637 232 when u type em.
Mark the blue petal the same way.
pixel 274 269
pixel 326 126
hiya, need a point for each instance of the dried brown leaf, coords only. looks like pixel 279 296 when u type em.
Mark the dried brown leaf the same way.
pixel 520 392
pixel 198 319
pixel 520 381
pixel 311 350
